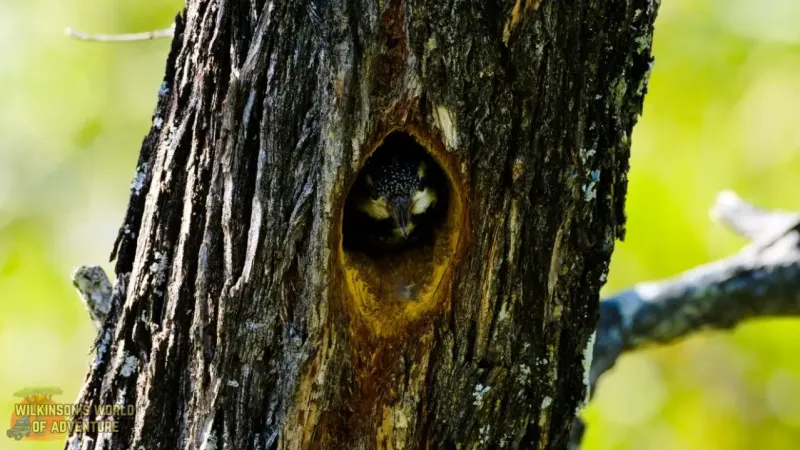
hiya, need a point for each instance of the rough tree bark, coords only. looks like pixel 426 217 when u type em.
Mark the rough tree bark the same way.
pixel 239 319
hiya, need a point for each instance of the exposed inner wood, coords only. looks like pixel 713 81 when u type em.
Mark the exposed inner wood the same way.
pixel 389 294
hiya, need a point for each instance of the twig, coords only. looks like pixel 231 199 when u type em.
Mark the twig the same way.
pixel 762 280
pixel 747 220
pixel 130 37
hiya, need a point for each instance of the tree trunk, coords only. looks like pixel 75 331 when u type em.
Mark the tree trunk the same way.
pixel 241 318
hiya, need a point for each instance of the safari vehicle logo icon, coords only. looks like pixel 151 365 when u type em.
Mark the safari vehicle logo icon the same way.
pixel 20 429
pixel 33 417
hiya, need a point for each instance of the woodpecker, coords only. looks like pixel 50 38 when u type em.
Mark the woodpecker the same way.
pixel 397 195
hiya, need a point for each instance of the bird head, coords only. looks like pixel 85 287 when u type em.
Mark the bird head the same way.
pixel 397 191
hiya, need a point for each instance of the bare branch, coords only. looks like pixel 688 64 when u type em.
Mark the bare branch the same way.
pixel 130 37
pixel 761 280
pixel 747 220
pixel 718 295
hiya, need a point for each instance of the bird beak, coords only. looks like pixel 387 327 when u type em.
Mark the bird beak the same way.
pixel 404 229
pixel 402 215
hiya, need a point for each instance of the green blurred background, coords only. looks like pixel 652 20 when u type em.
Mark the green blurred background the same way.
pixel 722 113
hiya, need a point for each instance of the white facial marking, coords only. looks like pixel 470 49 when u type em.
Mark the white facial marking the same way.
pixel 422 200
pixel 376 209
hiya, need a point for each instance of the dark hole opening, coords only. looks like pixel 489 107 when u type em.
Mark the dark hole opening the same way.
pixel 398 203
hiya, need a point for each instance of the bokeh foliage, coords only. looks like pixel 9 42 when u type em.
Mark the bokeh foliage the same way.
pixel 72 118
pixel 721 113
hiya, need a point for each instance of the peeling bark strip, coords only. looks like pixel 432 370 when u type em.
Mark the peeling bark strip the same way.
pixel 245 324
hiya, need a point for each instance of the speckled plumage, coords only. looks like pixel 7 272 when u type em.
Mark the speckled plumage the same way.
pixel 395 177
pixel 398 200
pixel 397 190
